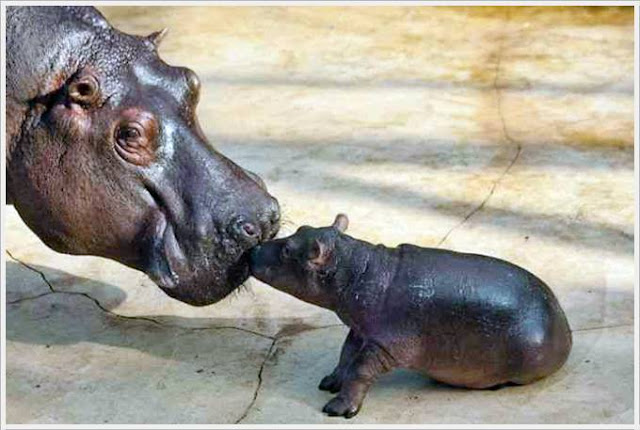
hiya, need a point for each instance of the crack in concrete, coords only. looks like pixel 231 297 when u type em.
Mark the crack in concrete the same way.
pixel 272 347
pixel 26 299
pixel 603 327
pixel 113 314
pixel 270 352
pixel 33 269
pixel 507 137
pixel 259 385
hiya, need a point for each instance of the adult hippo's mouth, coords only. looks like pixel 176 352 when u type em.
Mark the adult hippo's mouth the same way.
pixel 167 260
pixel 207 274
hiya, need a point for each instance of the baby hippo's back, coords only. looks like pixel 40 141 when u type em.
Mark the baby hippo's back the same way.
pixel 472 320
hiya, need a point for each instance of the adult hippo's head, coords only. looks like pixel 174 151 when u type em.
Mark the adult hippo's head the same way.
pixel 105 156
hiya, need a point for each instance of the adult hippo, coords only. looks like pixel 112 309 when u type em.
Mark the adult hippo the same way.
pixel 105 156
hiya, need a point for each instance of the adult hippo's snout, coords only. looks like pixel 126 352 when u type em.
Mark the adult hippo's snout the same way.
pixel 207 212
pixel 105 156
pixel 194 271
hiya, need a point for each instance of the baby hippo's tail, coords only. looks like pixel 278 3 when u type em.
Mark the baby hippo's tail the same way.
pixel 544 339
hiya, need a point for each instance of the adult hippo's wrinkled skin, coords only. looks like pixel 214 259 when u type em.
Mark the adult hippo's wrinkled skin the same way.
pixel 463 319
pixel 105 156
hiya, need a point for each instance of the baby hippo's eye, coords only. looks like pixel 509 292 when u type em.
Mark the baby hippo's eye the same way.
pixel 285 252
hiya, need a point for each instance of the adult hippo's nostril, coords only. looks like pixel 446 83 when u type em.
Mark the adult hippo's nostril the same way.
pixel 250 230
pixel 246 231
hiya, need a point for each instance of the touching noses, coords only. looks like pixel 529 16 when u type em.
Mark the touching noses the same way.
pixel 258 227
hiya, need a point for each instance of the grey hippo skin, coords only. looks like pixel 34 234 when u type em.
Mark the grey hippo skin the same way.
pixel 105 156
pixel 462 319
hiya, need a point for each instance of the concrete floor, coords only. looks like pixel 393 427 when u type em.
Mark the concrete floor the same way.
pixel 503 131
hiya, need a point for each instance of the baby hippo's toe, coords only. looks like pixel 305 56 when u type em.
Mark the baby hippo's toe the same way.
pixel 339 406
pixel 331 383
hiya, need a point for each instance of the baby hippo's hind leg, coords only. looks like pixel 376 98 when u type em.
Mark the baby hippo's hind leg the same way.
pixel 368 364
pixel 350 348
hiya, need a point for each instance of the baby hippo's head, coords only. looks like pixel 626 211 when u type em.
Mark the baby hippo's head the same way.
pixel 303 263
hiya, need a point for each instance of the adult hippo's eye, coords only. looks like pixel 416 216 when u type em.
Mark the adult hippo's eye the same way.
pixel 134 144
pixel 128 134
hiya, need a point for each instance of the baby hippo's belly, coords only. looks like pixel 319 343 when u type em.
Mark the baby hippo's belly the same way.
pixel 475 322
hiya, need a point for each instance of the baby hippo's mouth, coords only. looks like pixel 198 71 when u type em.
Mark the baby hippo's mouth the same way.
pixel 253 258
pixel 262 261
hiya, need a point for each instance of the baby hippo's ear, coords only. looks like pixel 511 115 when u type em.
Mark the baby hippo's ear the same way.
pixel 319 253
pixel 341 223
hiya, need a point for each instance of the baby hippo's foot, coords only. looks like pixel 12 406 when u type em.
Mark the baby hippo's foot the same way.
pixel 341 407
pixel 370 362
pixel 332 382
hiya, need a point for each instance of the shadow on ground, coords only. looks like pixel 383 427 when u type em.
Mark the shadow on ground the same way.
pixel 58 309
pixel 319 160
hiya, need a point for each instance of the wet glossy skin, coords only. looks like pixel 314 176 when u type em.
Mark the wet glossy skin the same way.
pixel 463 319
pixel 105 156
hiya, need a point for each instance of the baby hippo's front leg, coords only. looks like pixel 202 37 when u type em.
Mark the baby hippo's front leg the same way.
pixel 350 348
pixel 368 364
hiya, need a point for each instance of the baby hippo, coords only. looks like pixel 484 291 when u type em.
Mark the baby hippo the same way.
pixel 463 319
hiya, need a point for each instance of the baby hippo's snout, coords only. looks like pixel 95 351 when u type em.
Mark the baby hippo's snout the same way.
pixel 262 259
pixel 254 259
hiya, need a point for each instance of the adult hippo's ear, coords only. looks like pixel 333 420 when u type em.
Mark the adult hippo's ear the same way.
pixel 341 223
pixel 156 37
pixel 85 91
